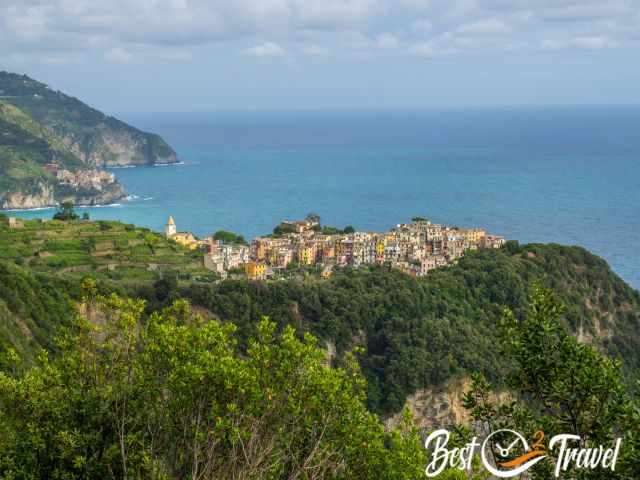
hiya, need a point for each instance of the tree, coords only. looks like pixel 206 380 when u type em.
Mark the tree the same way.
pixel 88 244
pixel 228 237
pixel 171 396
pixel 166 288
pixel 65 212
pixel 104 225
pixel 313 217
pixel 562 386
pixel 85 216
pixel 348 229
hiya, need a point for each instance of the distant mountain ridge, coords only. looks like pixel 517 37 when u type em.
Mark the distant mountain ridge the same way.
pixel 53 146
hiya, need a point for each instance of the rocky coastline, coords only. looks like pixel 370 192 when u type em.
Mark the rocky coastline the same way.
pixel 82 187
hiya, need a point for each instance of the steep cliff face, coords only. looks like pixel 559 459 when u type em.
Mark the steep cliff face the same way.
pixel 95 138
pixel 42 195
pixel 83 187
pixel 52 148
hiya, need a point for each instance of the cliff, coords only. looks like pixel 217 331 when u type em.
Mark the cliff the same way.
pixel 95 138
pixel 83 187
pixel 52 148
pixel 38 170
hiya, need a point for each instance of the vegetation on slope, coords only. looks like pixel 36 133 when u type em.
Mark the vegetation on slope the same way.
pixel 415 333
pixel 106 250
pixel 25 147
pixel 32 310
pixel 171 397
pixel 560 386
pixel 42 265
pixel 419 333
pixel 79 126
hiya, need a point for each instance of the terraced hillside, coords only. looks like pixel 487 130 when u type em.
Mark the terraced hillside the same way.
pixel 105 250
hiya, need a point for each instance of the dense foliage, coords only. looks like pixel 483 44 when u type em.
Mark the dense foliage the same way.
pixel 32 308
pixel 128 392
pixel 419 333
pixel 66 213
pixel 229 237
pixel 561 386
pixel 172 397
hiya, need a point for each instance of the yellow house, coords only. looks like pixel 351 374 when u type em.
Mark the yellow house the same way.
pixel 185 239
pixel 255 270
pixel 474 235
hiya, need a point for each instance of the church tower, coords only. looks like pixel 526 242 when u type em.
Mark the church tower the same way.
pixel 170 228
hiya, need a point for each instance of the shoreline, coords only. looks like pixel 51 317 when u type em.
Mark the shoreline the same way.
pixel 53 207
pixel 145 165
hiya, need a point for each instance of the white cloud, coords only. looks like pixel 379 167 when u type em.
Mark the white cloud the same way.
pixel 588 43
pixel 118 55
pixel 267 49
pixel 421 25
pixel 61 60
pixel 315 51
pixel 432 49
pixel 120 30
pixel 333 13
pixel 386 40
pixel 491 26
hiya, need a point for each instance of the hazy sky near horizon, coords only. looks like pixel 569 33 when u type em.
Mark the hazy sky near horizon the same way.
pixel 204 55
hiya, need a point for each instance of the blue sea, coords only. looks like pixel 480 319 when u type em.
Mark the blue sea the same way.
pixel 569 175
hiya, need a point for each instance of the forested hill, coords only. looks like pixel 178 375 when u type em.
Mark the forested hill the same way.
pixel 33 307
pixel 415 333
pixel 422 332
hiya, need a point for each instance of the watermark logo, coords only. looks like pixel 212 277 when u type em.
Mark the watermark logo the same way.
pixel 506 453
pixel 507 466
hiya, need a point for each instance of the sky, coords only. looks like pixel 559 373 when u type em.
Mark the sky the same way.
pixel 208 55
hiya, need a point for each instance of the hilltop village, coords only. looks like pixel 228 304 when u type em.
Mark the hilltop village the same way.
pixel 415 248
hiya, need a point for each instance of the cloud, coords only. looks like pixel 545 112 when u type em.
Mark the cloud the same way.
pixel 267 49
pixel 421 25
pixel 433 49
pixel 491 26
pixel 331 14
pixel 315 51
pixel 386 40
pixel 128 30
pixel 118 55
pixel 588 43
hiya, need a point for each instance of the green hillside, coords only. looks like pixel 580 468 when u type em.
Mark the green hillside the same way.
pixel 32 309
pixel 106 250
pixel 42 265
pixel 193 382
pixel 416 333
pixel 424 332
pixel 25 147
pixel 97 139
pixel 39 126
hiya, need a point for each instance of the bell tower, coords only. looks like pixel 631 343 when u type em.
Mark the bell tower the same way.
pixel 170 228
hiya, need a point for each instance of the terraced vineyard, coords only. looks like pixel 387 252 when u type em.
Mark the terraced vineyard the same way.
pixel 104 249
